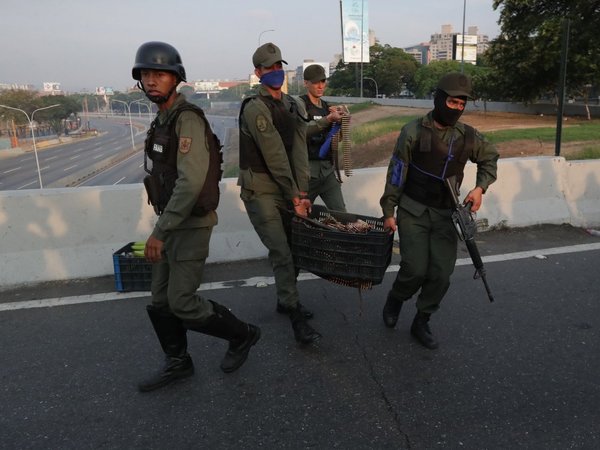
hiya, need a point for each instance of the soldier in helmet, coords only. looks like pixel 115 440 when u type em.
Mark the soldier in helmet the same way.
pixel 183 187
pixel 274 174
pixel 430 149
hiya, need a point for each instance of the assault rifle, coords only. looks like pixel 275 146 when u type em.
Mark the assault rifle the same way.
pixel 466 228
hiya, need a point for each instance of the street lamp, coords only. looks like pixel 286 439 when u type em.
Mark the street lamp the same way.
pixel 143 103
pixel 30 120
pixel 462 57
pixel 130 124
pixel 376 88
pixel 260 35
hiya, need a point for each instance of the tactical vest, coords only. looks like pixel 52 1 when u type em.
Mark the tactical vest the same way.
pixel 284 121
pixel 162 145
pixel 433 161
pixel 316 140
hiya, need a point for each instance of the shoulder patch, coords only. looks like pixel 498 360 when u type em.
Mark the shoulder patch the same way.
pixel 185 144
pixel 261 123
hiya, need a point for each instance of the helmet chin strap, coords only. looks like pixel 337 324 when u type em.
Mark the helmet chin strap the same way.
pixel 158 99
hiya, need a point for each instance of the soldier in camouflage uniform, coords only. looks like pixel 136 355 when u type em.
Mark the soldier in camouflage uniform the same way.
pixel 274 174
pixel 428 150
pixel 183 187
pixel 323 180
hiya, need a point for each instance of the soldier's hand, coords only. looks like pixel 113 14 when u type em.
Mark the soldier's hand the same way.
pixel 475 197
pixel 153 249
pixel 389 223
pixel 302 207
pixel 335 114
pixel 307 205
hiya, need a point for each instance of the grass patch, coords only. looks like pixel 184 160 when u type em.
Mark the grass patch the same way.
pixel 370 130
pixel 586 153
pixel 581 132
pixel 358 107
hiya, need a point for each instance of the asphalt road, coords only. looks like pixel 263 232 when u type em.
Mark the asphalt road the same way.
pixel 519 373
pixel 106 159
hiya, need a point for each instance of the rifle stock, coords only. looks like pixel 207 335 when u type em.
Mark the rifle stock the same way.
pixel 466 229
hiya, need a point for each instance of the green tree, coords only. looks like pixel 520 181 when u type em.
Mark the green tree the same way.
pixel 427 77
pixel 29 101
pixel 342 82
pixel 526 56
pixel 392 69
pixel 57 115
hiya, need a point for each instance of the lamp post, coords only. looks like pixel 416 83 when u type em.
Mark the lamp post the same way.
pixel 260 35
pixel 462 53
pixel 143 103
pixel 30 120
pixel 130 124
pixel 376 88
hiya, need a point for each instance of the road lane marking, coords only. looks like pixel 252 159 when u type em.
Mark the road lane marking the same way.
pixel 254 281
pixel 37 182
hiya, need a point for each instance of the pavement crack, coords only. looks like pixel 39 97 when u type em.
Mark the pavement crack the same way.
pixel 382 391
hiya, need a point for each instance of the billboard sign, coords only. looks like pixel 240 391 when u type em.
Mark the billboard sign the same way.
pixel 51 86
pixel 466 52
pixel 102 90
pixel 355 30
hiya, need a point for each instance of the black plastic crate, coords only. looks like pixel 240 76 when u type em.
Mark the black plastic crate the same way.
pixel 354 258
pixel 132 273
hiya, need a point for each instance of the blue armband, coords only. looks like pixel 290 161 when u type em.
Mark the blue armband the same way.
pixel 397 171
pixel 326 147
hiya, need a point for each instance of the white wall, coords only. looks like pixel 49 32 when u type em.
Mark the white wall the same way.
pixel 67 233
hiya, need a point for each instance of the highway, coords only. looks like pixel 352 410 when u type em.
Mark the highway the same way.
pixel 106 159
pixel 519 373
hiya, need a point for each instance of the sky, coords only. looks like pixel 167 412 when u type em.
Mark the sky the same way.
pixel 84 44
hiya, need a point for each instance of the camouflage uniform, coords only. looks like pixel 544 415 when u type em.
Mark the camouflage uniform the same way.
pixel 264 193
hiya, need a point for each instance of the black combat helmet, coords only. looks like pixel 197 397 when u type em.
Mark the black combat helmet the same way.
pixel 157 56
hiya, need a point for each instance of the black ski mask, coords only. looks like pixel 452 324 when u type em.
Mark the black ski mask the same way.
pixel 441 113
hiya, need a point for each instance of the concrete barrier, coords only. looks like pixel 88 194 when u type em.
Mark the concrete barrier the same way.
pixel 69 233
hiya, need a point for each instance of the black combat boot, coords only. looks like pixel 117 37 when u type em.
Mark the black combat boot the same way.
pixel 420 330
pixel 307 313
pixel 391 311
pixel 303 332
pixel 241 335
pixel 173 340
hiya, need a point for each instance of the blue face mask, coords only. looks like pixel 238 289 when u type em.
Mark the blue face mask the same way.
pixel 273 79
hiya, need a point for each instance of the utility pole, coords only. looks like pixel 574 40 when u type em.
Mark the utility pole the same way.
pixel 561 87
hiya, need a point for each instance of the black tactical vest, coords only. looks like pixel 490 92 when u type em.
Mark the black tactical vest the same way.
pixel 433 161
pixel 162 145
pixel 284 121
pixel 316 140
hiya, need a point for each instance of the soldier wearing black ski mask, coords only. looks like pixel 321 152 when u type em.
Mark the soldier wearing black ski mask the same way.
pixel 450 98
pixel 417 203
